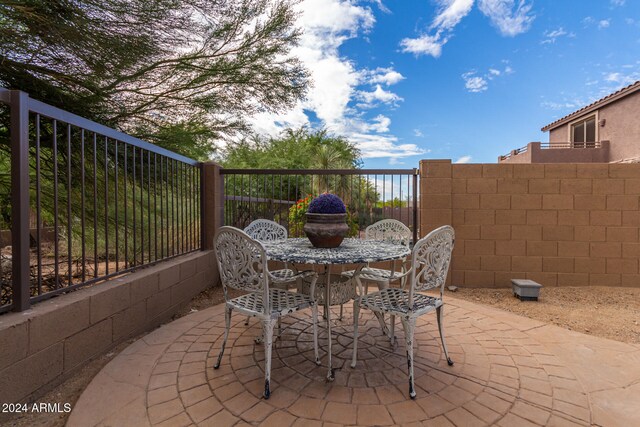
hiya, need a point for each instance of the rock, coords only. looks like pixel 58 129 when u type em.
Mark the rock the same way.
pixel 452 288
pixel 6 262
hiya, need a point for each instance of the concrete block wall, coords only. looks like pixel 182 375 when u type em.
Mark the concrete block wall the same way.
pixel 557 224
pixel 46 344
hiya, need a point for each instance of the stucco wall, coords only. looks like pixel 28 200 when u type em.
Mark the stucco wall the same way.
pixel 622 128
pixel 558 224
pixel 44 345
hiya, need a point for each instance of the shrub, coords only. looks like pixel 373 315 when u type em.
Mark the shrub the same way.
pixel 297 216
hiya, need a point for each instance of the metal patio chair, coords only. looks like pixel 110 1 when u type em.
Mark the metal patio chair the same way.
pixel 264 230
pixel 389 230
pixel 430 260
pixel 242 263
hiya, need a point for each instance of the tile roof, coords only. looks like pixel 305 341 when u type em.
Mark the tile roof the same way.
pixel 627 90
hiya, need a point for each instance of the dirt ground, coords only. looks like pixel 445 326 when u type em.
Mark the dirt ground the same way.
pixel 612 313
pixel 606 312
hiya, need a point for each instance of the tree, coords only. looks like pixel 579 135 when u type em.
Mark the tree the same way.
pixel 294 149
pixel 180 73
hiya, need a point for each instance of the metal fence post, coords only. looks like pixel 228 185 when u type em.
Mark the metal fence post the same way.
pixel 203 211
pixel 19 134
pixel 415 205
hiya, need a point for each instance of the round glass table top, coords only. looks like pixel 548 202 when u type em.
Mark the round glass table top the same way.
pixel 351 251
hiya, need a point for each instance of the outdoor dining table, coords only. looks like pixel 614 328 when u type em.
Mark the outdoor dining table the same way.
pixel 351 251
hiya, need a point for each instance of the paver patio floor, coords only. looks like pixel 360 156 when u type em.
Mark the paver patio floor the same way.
pixel 509 371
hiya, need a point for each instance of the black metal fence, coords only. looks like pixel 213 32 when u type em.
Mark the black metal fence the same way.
pixel 282 195
pixel 112 202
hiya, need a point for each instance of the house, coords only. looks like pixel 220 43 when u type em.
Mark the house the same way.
pixel 605 131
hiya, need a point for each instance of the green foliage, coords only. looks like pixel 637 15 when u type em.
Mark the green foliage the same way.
pixel 395 203
pixel 297 216
pixel 181 73
pixel 293 149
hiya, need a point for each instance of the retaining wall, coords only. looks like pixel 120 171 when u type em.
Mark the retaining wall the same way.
pixel 42 346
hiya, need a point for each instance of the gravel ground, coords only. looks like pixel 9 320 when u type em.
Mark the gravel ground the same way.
pixel 606 312
pixel 612 313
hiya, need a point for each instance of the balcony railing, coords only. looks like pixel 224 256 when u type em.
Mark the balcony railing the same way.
pixel 551 146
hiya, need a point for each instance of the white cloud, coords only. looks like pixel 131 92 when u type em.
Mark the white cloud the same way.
pixel 424 45
pixel 380 124
pixel 588 21
pixel 564 105
pixel 605 23
pixel 609 82
pixel 379 95
pixel 474 83
pixel 510 17
pixel 617 2
pixel 621 79
pixel 550 36
pixel 387 76
pixel 450 13
pixel 479 83
pixel 326 25
pixel 463 159
pixel 418 133
pixel 376 146
pixel 381 6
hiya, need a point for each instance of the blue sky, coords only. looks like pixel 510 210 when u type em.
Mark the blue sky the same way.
pixel 456 79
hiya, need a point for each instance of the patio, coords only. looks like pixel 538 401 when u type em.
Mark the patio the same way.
pixel 508 371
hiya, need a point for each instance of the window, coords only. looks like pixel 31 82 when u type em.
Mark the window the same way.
pixel 584 130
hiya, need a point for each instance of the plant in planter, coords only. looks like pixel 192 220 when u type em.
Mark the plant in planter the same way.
pixel 326 221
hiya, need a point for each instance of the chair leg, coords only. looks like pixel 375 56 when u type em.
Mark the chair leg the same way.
pixel 356 314
pixel 409 326
pixel 392 329
pixel 314 313
pixel 279 333
pixel 267 328
pixel 246 322
pixel 341 309
pixel 440 315
pixel 227 321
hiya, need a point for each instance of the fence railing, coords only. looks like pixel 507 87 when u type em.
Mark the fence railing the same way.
pixel 114 202
pixel 281 195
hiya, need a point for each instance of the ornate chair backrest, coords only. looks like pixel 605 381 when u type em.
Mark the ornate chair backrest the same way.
pixel 242 262
pixel 390 230
pixel 265 230
pixel 430 261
